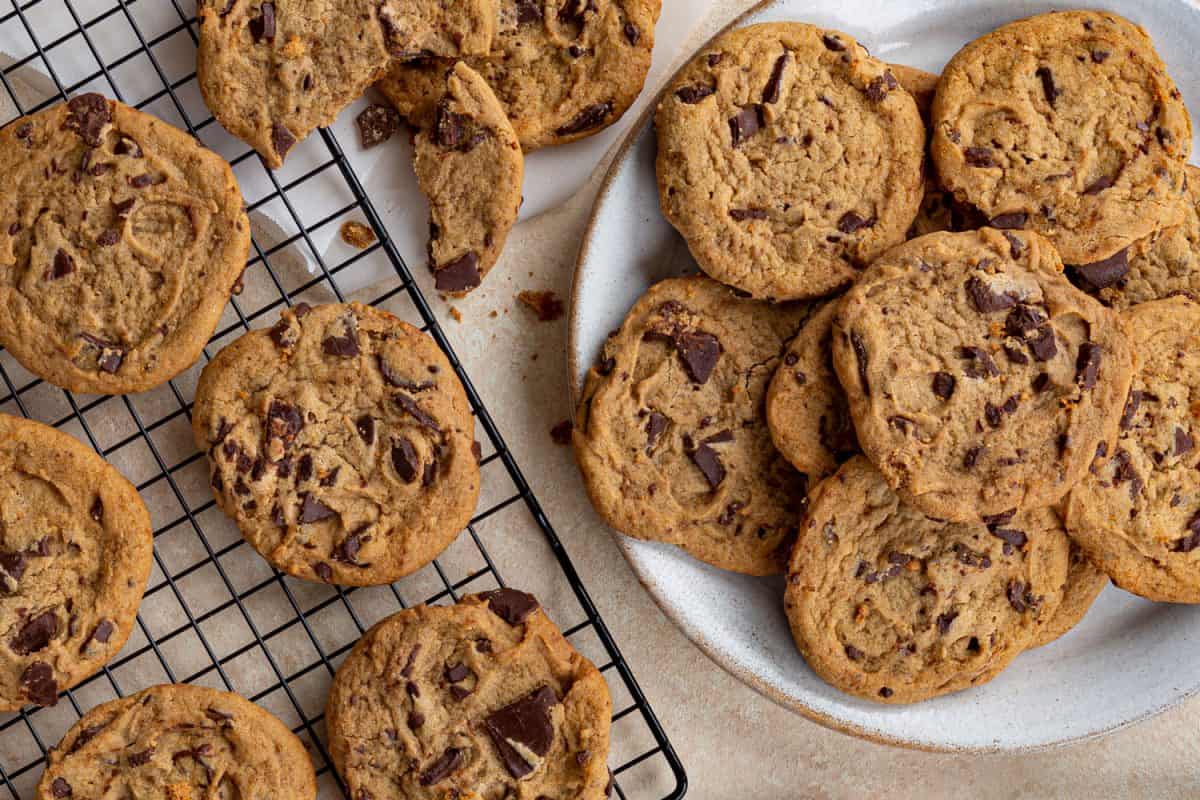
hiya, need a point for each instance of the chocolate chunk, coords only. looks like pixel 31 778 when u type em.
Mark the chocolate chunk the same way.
pixel 60 788
pixel 632 34
pixel 304 468
pixel 88 115
pixel 1190 542
pixel 144 180
pixel 745 124
pixel 393 378
pixel 833 43
pixel 1099 185
pixel 263 27
pixel 405 459
pixel 35 634
pixel 344 346
pixel 456 672
pixel 984 299
pixel 313 510
pixel 709 463
pixel 699 352
pixel 1009 536
pixel 981 365
pixel 1087 365
pixel 281 139
pixel 1019 596
pixel 943 385
pixel 590 118
pixel 512 606
pixel 945 620
pixel 1012 221
pixel 1004 517
pixel 523 727
pixel 993 414
pixel 1015 355
pixel 103 631
pixel 1043 344
pixel 771 90
pixel 853 653
pixel 216 716
pixel 851 222
pixel 366 428
pixel 1183 441
pixel 1014 244
pixel 695 93
pixel 442 768
pixel 1101 274
pixel 284 421
pixel 126 146
pixel 877 90
pixel 138 759
pixel 460 275
pixel 1048 88
pixel 347 550
pixel 416 412
pixel 1022 319
pixel 14 564
pixel 885 692
pixel 979 157
pixel 323 571
pixel 39 684
pixel 860 355
pixel 376 124
pixel 109 238
pixel 656 425
pixel 1131 406
pixel 743 214
pixel 430 472
pixel 971 458
pixel 64 265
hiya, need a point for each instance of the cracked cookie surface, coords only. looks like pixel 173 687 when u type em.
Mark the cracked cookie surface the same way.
pixel 893 606
pixel 120 243
pixel 483 699
pixel 75 553
pixel 788 159
pixel 670 433
pixel 179 742
pixel 979 379
pixel 1137 512
pixel 1066 124
pixel 340 440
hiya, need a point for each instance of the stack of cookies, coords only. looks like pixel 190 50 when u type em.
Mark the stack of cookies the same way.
pixel 944 371
pixel 482 81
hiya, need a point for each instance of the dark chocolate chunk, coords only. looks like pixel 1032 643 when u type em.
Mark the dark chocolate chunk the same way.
pixel 347 549
pixel 699 351
pixel 138 759
pixel 64 265
pixel 35 634
pixel 263 27
pixel 1183 441
pixel 656 425
pixel 945 620
pixel 1131 406
pixel 984 299
pixel 979 157
pixel 993 414
pixel 366 428
pixel 282 139
pixel 1014 244
pixel 745 124
pixel 1013 537
pixel 1190 542
pixel 88 115
pixel 313 510
pixel 1019 596
pixel 695 93
pixel 860 355
pixel 1015 355
pixel 512 606
pixel 1099 185
pixel 60 788
pixel 971 458
pixel 456 672
pixel 771 90
pixel 103 631
pixel 441 769
pixel 1101 274
pixel 344 346
pixel 284 421
pixel 851 222
pixel 126 146
pixel 524 726
pixel 39 684
pixel 109 238
pixel 833 43
pixel 590 118
pixel 1048 88
pixel 1043 344
pixel 709 463
pixel 853 653
pixel 416 412
pixel 877 90
pixel 1012 221
pixel 632 34
pixel 460 275
pixel 144 180
pixel 376 124
pixel 943 385
pixel 981 365
pixel 743 214
pixel 1087 365
pixel 323 571
pixel 405 459
pixel 1022 319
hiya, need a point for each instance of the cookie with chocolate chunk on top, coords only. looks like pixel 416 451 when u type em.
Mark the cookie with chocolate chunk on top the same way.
pixel 340 441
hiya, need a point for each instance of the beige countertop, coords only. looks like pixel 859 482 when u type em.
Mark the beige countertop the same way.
pixel 733 742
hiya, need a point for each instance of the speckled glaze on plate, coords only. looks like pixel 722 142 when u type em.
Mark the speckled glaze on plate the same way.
pixel 1128 660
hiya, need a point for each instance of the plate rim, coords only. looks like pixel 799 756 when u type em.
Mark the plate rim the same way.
pixel 627 544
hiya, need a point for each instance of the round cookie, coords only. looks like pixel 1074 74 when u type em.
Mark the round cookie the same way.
pixel 470 166
pixel 1137 513
pixel 807 412
pixel 788 159
pixel 561 71
pixel 75 553
pixel 893 606
pixel 121 239
pixel 1066 124
pixel 340 440
pixel 980 381
pixel 481 699
pixel 1161 264
pixel 171 741
pixel 1084 583
pixel 670 433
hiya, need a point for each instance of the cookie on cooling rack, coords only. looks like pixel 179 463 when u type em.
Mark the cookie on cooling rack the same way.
pixel 75 553
pixel 470 166
pixel 896 607
pixel 561 71
pixel 480 699
pixel 121 238
pixel 1066 124
pixel 340 440
pixel 179 742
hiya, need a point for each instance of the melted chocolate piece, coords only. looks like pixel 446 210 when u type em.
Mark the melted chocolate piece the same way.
pixel 263 27
pixel 405 460
pixel 695 93
pixel 943 385
pixel 771 90
pixel 524 726
pixel 511 605
pixel 1051 91
pixel 313 510
pixel 984 299
pixel 35 634
pixel 1101 274
pixel 1087 365
pixel 709 463
pixel 442 768
pixel 699 352
pixel 416 412
pixel 745 124
pixel 460 275
pixel 39 684
pixel 376 124
pixel 591 117
pixel 282 140
pixel 88 115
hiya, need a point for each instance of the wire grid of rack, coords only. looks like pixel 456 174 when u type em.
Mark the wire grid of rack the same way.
pixel 213 612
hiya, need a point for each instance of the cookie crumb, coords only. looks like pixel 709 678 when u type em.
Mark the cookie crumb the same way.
pixel 454 312
pixel 561 433
pixel 357 235
pixel 376 124
pixel 546 305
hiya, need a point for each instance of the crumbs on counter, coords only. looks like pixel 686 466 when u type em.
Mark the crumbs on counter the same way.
pixel 546 305
pixel 454 312
pixel 357 235
pixel 561 433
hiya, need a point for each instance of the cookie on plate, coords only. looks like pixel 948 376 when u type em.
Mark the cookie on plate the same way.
pixel 806 408
pixel 480 699
pixel 1066 124
pixel 75 552
pixel 121 239
pixel 1084 582
pixel 1161 264
pixel 173 741
pixel 1137 513
pixel 340 440
pixel 424 28
pixel 893 606
pixel 980 380
pixel 561 72
pixel 788 159
pixel 670 433
pixel 470 166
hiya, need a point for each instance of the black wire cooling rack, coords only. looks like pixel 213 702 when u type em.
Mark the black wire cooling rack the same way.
pixel 214 613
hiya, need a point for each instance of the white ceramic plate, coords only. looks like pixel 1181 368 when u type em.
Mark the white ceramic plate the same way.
pixel 1128 660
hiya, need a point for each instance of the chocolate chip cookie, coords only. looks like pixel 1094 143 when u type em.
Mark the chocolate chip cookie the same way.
pixel 424 28
pixel 470 166
pixel 561 71
pixel 481 699
pixel 1137 512
pixel 980 380
pixel 75 551
pixel 788 159
pixel 671 436
pixel 121 239
pixel 893 606
pixel 937 212
pixel 1066 124
pixel 179 742
pixel 1152 268
pixel 807 412
pixel 340 440
pixel 1084 582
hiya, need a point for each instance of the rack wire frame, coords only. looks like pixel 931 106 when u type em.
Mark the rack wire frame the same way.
pixel 23 396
